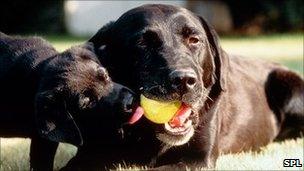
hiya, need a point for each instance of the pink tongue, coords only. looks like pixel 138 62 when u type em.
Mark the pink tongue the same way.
pixel 179 118
pixel 177 121
pixel 137 115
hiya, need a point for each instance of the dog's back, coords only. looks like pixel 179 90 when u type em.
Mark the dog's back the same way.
pixel 263 101
pixel 22 52
pixel 18 59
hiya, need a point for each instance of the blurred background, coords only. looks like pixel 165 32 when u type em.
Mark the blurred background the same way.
pixel 267 29
pixel 83 18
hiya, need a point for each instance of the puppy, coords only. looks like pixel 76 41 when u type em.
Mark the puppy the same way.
pixel 168 53
pixel 102 133
pixel 44 95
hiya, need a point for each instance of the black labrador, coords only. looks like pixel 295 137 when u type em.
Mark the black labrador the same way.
pixel 168 53
pixel 48 96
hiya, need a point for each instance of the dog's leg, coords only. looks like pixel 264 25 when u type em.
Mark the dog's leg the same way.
pixel 285 94
pixel 73 163
pixel 42 154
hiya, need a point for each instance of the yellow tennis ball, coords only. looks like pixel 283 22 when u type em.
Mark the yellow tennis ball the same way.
pixel 157 111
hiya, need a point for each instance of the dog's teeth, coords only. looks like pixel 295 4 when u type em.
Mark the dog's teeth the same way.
pixel 185 117
pixel 188 123
pixel 188 113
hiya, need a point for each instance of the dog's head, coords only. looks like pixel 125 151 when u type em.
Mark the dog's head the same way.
pixel 108 121
pixel 166 53
pixel 72 82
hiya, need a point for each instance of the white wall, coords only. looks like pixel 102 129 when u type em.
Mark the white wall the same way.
pixel 84 18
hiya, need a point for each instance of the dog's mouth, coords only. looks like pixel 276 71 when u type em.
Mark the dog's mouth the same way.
pixel 178 130
pixel 181 123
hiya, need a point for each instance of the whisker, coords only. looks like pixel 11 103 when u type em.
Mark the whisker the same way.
pixel 153 87
pixel 209 98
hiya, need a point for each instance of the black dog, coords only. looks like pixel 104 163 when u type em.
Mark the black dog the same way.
pixel 168 53
pixel 103 127
pixel 44 95
pixel 102 133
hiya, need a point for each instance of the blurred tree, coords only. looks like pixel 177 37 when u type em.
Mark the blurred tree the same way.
pixel 30 16
pixel 267 15
pixel 250 16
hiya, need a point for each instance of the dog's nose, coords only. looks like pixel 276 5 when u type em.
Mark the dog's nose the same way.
pixel 183 80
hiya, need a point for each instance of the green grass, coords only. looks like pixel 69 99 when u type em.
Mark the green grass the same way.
pixel 269 158
pixel 286 49
pixel 14 156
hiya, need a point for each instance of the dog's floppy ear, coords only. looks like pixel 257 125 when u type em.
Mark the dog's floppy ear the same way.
pixel 102 36
pixel 217 53
pixel 53 120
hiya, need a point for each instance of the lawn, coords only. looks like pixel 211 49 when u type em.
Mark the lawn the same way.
pixel 286 49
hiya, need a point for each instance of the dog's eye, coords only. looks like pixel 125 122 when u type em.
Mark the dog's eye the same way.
pixel 87 99
pixel 193 40
pixel 84 102
pixel 87 102
pixel 102 75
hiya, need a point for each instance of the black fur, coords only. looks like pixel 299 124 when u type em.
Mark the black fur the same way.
pixel 49 96
pixel 144 46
